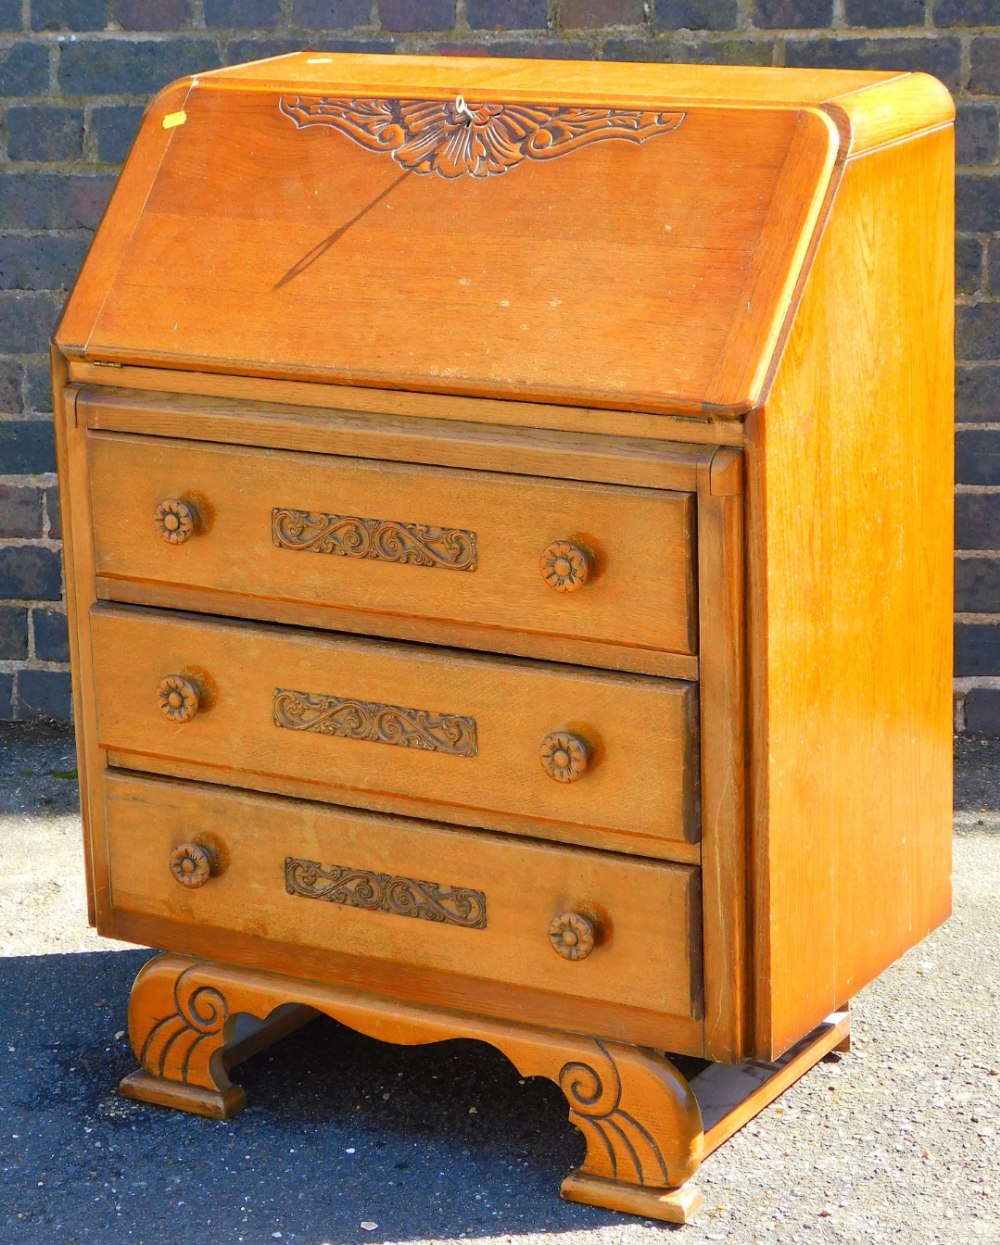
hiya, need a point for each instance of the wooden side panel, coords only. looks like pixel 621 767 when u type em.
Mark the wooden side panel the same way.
pixel 723 756
pixel 767 298
pixel 850 550
pixel 120 218
pixel 78 556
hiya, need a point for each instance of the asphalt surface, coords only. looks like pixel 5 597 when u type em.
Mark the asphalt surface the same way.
pixel 348 1140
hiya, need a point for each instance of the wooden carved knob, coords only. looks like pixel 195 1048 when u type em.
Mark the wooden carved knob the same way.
pixel 174 520
pixel 565 567
pixel 191 865
pixel 572 935
pixel 564 757
pixel 178 699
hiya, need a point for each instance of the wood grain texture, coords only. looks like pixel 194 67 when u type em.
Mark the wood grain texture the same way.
pixel 582 82
pixel 766 296
pixel 570 318
pixel 637 1114
pixel 730 1097
pixel 723 714
pixel 119 221
pixel 633 725
pixel 645 913
pixel 80 592
pixel 79 589
pixel 872 108
pixel 367 976
pixel 850 504
pixel 512 521
pixel 713 184
pixel 367 433
pixel 147 383
pixel 611 656
pixel 884 113
pixel 693 805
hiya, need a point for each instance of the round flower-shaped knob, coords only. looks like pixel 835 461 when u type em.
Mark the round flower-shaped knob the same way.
pixel 572 935
pixel 174 520
pixel 565 567
pixel 191 864
pixel 177 698
pixel 564 757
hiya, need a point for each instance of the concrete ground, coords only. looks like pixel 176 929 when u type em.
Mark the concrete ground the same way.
pixel 347 1140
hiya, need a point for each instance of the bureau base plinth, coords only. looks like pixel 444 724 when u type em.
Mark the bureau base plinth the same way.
pixel 637 1113
pixel 215 1104
pixel 646 1126
pixel 668 1205
pixel 195 1025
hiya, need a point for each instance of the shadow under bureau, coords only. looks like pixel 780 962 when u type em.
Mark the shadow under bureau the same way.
pixel 507 522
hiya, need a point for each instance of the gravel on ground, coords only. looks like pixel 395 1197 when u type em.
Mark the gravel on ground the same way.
pixel 348 1140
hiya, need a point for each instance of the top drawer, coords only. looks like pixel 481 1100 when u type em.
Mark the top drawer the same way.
pixel 590 573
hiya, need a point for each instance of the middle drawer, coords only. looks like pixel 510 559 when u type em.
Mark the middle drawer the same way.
pixel 586 757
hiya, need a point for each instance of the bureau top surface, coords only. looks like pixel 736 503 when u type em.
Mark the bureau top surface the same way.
pixel 619 236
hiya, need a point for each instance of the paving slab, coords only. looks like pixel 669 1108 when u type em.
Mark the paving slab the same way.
pixel 347 1140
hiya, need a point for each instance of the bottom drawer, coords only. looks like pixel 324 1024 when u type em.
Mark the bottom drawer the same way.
pixel 316 878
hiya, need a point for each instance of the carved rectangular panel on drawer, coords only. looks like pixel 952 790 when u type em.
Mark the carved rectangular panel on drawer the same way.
pixel 398 542
pixel 474 726
pixel 646 954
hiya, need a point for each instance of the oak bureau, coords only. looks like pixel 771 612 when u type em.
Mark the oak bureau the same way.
pixel 508 537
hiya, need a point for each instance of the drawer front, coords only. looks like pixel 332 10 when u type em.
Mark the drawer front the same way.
pixel 526 557
pixel 500 742
pixel 306 875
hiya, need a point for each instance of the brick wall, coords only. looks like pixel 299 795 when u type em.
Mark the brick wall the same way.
pixel 75 74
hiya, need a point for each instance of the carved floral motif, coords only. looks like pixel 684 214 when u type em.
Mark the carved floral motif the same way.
pixel 572 935
pixel 384 892
pixel 384 540
pixel 191 864
pixel 454 139
pixel 565 567
pixel 174 520
pixel 375 723
pixel 564 756
pixel 177 698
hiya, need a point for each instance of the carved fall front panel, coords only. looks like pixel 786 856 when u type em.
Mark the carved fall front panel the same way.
pixel 453 138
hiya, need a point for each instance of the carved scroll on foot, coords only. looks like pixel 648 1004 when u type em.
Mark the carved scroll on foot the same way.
pixel 641 1121
pixel 183 1029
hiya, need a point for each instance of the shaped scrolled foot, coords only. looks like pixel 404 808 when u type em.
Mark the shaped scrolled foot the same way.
pixel 191 1020
pixel 643 1130
pixel 178 1028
